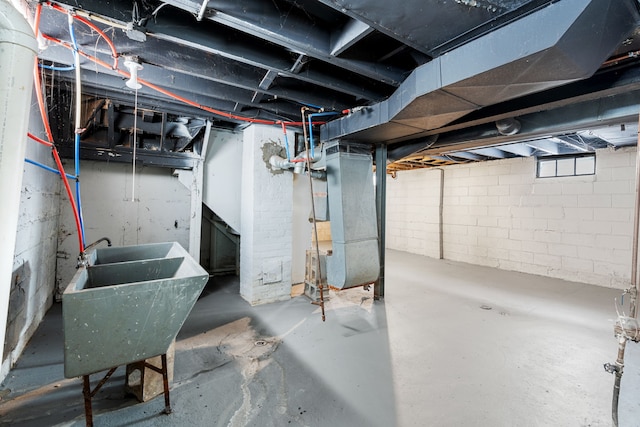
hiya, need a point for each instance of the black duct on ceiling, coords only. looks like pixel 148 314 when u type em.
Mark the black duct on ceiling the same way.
pixel 561 43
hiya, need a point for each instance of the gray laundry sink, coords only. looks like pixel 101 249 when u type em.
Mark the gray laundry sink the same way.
pixel 127 305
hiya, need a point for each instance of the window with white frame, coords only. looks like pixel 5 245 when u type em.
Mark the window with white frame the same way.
pixel 571 165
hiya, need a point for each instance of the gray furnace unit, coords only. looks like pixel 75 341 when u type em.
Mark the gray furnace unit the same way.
pixel 354 260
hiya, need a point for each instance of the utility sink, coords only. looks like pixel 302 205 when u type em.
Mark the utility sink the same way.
pixel 128 304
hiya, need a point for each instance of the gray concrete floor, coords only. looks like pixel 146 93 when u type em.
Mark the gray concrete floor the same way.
pixel 451 345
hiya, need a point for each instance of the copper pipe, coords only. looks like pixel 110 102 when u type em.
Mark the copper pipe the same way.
pixel 319 284
pixel 617 370
pixel 617 59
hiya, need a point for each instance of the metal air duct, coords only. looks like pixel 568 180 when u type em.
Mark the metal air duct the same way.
pixel 354 260
pixel 566 41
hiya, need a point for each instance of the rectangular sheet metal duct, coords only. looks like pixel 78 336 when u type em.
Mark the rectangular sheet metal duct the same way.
pixel 566 41
pixel 354 232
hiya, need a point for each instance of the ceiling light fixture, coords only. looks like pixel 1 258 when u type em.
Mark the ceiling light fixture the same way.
pixel 134 66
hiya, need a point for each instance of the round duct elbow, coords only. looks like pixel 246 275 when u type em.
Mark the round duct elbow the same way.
pixel 278 162
pixel 508 126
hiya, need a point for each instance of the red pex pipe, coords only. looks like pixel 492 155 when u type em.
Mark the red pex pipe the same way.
pixel 174 95
pixel 45 122
pixel 41 141
pixel 91 25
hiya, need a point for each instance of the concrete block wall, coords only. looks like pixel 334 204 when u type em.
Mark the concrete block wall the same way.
pixel 34 263
pixel 413 212
pixel 161 211
pixel 266 221
pixel 499 214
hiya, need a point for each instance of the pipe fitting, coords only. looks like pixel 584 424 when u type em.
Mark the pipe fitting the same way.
pixel 278 162
pixel 298 164
pixel 83 261
pixel 611 368
pixel 508 127
pixel 299 167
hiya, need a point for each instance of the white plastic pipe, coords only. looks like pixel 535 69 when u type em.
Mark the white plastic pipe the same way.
pixel 18 48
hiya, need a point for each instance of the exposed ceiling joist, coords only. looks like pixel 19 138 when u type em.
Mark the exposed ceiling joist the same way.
pixel 519 149
pixel 264 85
pixel 352 32
pixel 290 29
pixel 382 61
pixel 493 152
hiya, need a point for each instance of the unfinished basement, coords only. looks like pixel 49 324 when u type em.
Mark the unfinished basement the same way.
pixel 319 213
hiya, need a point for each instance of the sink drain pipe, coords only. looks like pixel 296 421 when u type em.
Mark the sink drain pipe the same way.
pixel 18 48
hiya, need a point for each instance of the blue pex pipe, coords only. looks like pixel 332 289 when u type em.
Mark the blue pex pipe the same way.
pixel 77 178
pixel 286 141
pixel 51 67
pixel 311 116
pixel 77 135
pixel 45 167
pixel 72 34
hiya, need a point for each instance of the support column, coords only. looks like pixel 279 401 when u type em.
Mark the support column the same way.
pixel 381 203
pixel 266 219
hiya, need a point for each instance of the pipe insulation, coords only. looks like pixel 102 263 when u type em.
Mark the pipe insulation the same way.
pixel 18 48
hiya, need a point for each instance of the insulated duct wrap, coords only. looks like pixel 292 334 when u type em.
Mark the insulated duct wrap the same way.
pixel 354 231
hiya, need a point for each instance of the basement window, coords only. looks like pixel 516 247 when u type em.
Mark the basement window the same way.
pixel 573 165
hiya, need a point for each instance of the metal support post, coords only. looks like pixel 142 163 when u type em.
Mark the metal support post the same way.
pixel 381 201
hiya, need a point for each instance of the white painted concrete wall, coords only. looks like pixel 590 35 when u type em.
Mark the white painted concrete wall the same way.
pixel 266 222
pixel 223 176
pixel 413 212
pixel 302 228
pixel 499 214
pixel 160 212
pixel 34 262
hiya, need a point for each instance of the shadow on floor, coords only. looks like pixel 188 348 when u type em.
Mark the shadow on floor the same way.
pixel 235 365
pixel 451 345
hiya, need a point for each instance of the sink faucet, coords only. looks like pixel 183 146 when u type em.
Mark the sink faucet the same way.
pixel 82 258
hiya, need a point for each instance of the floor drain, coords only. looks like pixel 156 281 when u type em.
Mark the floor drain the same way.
pixel 261 343
pixel 486 307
